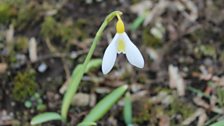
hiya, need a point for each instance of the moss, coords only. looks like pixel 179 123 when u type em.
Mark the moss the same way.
pixel 5 12
pixel 198 34
pixel 205 50
pixel 24 85
pixel 21 44
pixel 180 107
pixel 27 16
pixel 49 27
pixel 79 31
pixel 65 32
pixel 142 111
pixel 12 57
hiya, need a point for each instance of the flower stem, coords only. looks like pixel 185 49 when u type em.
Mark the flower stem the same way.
pixel 76 79
pixel 99 34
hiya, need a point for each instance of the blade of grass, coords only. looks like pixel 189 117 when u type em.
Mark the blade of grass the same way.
pixel 94 63
pixel 137 22
pixel 212 120
pixel 199 92
pixel 219 123
pixel 44 117
pixel 127 112
pixel 87 124
pixel 105 104
pixel 72 88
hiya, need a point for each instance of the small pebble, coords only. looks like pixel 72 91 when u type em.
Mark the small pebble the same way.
pixel 89 1
pixel 3 67
pixel 73 54
pixel 102 90
pixel 92 100
pixel 81 99
pixel 42 68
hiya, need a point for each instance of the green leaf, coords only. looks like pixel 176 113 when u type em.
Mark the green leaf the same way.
pixel 105 104
pixel 219 123
pixel 44 117
pixel 87 124
pixel 72 88
pixel 137 22
pixel 127 112
pixel 94 63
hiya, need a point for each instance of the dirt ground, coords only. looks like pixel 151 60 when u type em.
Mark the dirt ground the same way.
pixel 182 42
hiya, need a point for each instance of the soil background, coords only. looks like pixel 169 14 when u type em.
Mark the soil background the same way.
pixel 182 42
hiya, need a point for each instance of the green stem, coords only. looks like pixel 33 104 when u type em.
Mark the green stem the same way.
pixel 75 80
pixel 99 34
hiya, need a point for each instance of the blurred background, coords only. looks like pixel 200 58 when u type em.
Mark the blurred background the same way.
pixel 182 42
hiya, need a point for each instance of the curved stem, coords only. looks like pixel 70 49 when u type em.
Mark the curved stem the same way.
pixel 118 17
pixel 79 72
pixel 99 33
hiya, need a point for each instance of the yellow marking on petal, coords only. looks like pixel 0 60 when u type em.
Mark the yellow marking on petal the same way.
pixel 120 46
pixel 120 26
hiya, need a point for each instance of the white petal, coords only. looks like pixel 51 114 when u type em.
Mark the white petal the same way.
pixel 133 55
pixel 110 56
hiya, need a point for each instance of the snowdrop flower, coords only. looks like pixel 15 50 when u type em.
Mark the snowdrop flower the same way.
pixel 121 44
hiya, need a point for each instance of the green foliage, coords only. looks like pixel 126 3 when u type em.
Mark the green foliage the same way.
pixel 105 104
pixel 12 57
pixel 198 92
pixel 73 86
pixel 137 22
pixel 206 50
pixel 24 85
pixel 44 117
pixel 79 31
pixel 26 16
pixel 78 72
pixel 5 12
pixel 181 107
pixel 66 32
pixel 49 27
pixel 219 123
pixel 22 44
pixel 220 96
pixel 87 124
pixel 12 2
pixel 127 112
pixel 93 64
pixel 35 102
pixel 143 111
pixel 77 75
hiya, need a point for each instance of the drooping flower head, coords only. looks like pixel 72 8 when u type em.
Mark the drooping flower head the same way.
pixel 121 44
